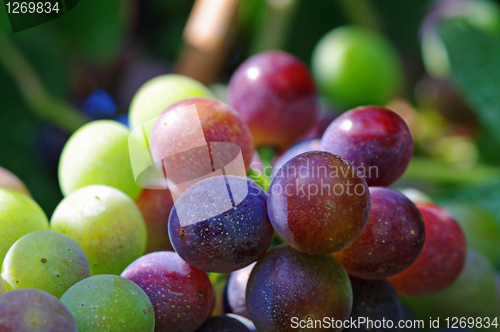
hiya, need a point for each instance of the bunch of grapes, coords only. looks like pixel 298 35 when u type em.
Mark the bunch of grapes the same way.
pixel 328 239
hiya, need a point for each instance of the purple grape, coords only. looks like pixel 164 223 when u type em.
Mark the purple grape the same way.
pixel 295 150
pixel 182 296
pixel 229 238
pixel 318 203
pixel 33 310
pixel 442 258
pixel 236 291
pixel 375 300
pixel 391 241
pixel 275 94
pixel 223 324
pixel 375 139
pixel 287 284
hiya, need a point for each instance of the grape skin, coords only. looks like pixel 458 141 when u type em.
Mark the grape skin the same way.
pixel 182 296
pixel 45 260
pixel 308 199
pixel 98 153
pixel 106 224
pixel 33 310
pixel 19 215
pixel 391 241
pixel 109 303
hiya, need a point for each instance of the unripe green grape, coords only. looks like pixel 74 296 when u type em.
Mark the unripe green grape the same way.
pixel 107 303
pixel 157 94
pixel 354 66
pixel 106 223
pixel 19 215
pixel 45 260
pixel 98 153
pixel 482 232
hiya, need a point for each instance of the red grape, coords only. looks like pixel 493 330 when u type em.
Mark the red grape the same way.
pixel 375 139
pixel 155 205
pixel 391 241
pixel 275 94
pixel 177 139
pixel 441 259
pixel 182 296
pixel 318 203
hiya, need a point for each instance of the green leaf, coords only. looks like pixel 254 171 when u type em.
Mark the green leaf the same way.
pixel 475 62
pixel 94 28
pixel 487 196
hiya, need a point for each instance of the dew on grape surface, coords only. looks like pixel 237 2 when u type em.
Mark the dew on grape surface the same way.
pixel 221 242
pixel 182 296
pixel 19 215
pixel 106 223
pixel 45 260
pixel 391 241
pixel 109 303
pixel 318 202
pixel 288 283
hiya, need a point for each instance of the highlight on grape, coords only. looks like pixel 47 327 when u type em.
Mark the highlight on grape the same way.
pixel 182 166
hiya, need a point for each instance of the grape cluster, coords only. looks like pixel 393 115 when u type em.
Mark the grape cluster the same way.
pixel 327 239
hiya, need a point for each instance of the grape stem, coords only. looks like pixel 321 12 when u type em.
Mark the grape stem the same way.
pixel 437 171
pixel 361 12
pixel 48 107
pixel 272 32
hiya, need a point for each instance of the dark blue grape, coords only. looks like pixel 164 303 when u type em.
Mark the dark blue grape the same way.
pixel 227 241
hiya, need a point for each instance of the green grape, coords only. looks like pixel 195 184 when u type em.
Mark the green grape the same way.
pixel 45 260
pixel 473 294
pixel 106 223
pixel 157 94
pixel 8 180
pixel 481 230
pixel 107 303
pixel 98 153
pixel 19 215
pixel 3 287
pixel 354 66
